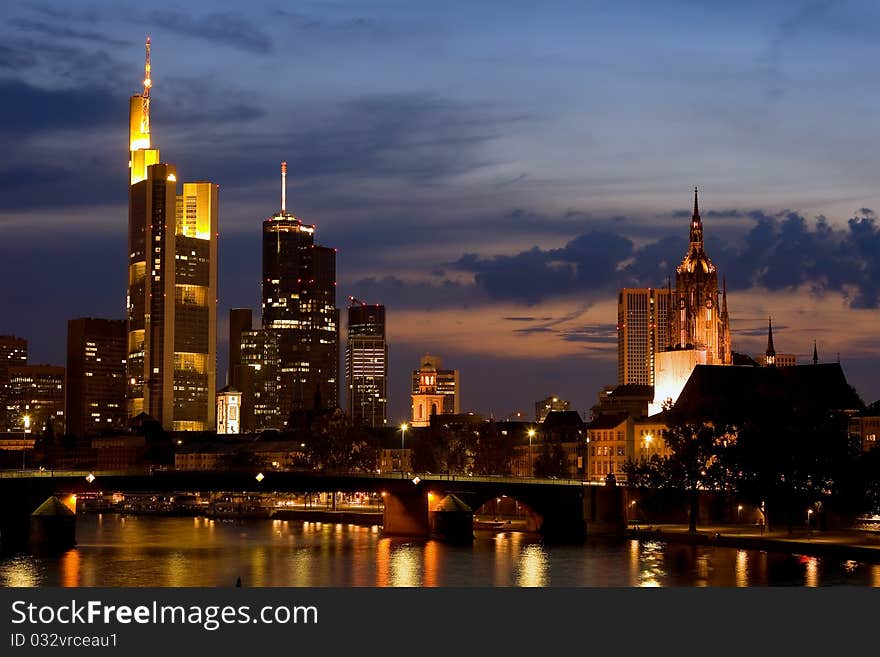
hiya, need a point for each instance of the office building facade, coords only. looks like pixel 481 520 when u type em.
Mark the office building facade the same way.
pixel 366 365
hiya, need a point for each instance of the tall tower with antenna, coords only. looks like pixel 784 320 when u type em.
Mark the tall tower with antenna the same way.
pixel 299 306
pixel 172 283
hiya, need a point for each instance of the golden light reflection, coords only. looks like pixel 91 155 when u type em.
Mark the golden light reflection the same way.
pixel 875 575
pixel 21 571
pixel 432 562
pixel 533 567
pixel 383 562
pixel 70 568
pixel 812 572
pixel 405 566
pixel 742 569
pixel 651 564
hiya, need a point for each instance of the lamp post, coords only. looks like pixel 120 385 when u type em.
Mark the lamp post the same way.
pixel 531 433
pixel 403 427
pixel 27 430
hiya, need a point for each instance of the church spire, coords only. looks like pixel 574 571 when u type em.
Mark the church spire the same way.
pixel 771 351
pixel 724 297
pixel 815 354
pixel 696 222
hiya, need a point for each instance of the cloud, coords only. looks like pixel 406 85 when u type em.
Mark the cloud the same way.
pixel 783 251
pixel 64 32
pixel 230 28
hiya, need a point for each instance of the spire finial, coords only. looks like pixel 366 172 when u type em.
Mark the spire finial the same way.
pixel 283 187
pixel 696 222
pixel 815 354
pixel 771 350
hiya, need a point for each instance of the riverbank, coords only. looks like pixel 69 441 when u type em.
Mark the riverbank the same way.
pixel 840 544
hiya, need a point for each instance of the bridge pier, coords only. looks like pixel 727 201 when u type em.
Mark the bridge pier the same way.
pixel 406 513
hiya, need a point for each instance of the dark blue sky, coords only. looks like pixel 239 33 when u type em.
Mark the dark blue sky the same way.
pixel 493 172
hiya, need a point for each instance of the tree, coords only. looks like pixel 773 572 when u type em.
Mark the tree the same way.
pixel 698 461
pixel 493 451
pixel 552 460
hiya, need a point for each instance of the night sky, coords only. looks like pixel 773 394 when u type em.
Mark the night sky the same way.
pixel 493 172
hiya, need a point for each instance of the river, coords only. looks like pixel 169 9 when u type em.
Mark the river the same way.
pixel 117 550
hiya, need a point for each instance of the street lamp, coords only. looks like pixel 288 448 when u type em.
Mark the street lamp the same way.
pixel 809 516
pixel 739 508
pixel 403 427
pixel 27 430
pixel 531 433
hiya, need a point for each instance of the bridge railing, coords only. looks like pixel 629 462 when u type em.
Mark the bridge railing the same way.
pixel 391 476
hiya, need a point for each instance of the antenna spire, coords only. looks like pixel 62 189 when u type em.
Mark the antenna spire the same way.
pixel 148 83
pixel 283 187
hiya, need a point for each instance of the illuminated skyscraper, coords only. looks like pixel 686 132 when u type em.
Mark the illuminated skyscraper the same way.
pixel 259 372
pixel 299 304
pixel 366 364
pixel 172 285
pixel 13 352
pixel 36 396
pixel 642 332
pixel 95 375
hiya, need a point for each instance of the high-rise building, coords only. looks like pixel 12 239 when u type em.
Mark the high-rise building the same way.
pixel 13 352
pixel 35 397
pixel 172 285
pixel 447 383
pixel 259 359
pixel 299 304
pixel 642 332
pixel 366 365
pixel 95 375
pixel 240 320
pixel 549 404
pixel 195 307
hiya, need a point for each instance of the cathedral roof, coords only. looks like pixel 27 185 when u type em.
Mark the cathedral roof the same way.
pixel 696 258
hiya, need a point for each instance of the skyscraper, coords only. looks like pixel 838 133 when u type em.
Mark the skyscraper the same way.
pixel 366 364
pixel 447 383
pixel 642 332
pixel 13 352
pixel 35 397
pixel 260 377
pixel 299 305
pixel 95 375
pixel 172 285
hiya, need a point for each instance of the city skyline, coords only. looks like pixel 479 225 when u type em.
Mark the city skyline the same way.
pixel 471 212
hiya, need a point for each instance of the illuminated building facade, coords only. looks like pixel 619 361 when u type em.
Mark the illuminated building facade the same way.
pixel 299 305
pixel 172 285
pixel 239 375
pixel 228 411
pixel 610 441
pixel 699 324
pixel 366 365
pixel 698 317
pixel 447 383
pixel 642 332
pixel 549 404
pixel 259 359
pixel 13 352
pixel 35 396
pixel 427 400
pixel 95 375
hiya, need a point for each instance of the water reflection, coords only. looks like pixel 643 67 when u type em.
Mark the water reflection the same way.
pixel 151 551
